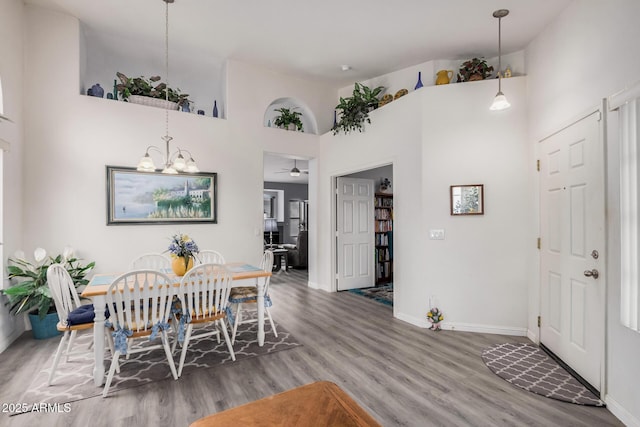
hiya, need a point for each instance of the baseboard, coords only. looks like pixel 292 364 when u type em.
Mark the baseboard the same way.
pixel 421 323
pixel 532 336
pixel 465 327
pixel 621 413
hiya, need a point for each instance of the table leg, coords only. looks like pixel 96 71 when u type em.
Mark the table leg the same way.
pixel 99 303
pixel 260 302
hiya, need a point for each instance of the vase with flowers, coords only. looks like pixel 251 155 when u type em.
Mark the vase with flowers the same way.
pixel 182 249
pixel 434 316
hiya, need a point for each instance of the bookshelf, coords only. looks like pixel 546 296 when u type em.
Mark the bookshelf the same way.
pixel 383 227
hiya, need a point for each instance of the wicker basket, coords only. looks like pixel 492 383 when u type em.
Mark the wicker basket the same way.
pixel 153 102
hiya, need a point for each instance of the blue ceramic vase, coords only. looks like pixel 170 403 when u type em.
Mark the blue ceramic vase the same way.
pixel 97 90
pixel 215 109
pixel 419 84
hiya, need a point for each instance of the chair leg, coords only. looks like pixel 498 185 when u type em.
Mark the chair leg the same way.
pixel 167 350
pixel 235 323
pixel 70 345
pixel 273 325
pixel 185 345
pixel 109 338
pixel 226 338
pixel 114 363
pixel 56 359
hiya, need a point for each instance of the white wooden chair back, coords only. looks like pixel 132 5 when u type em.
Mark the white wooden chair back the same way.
pixel 151 261
pixel 139 300
pixel 267 265
pixel 63 291
pixel 204 291
pixel 209 256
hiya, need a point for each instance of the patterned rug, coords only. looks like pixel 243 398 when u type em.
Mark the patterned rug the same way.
pixel 528 367
pixel 74 379
pixel 382 294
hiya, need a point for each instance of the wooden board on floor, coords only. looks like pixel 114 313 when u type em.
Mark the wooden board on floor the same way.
pixel 321 403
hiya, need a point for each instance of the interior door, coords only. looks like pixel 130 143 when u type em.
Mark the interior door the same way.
pixel 572 246
pixel 355 236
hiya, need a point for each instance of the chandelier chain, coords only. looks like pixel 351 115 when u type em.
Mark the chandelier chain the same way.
pixel 166 63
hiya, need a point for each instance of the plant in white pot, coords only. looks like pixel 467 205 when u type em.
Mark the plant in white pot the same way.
pixel 30 293
pixel 141 90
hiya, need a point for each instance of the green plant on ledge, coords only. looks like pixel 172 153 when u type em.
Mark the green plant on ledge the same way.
pixel 288 117
pixel 474 69
pixel 148 87
pixel 354 110
pixel 32 292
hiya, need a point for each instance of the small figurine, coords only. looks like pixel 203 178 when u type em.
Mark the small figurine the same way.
pixel 435 317
pixel 507 73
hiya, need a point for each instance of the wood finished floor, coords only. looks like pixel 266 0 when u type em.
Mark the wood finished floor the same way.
pixel 401 374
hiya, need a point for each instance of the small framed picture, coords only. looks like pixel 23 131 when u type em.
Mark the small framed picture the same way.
pixel 467 199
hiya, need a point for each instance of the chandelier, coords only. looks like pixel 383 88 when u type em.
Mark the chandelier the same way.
pixel 175 162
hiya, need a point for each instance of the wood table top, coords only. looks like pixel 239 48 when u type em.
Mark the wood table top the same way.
pixel 317 404
pixel 99 283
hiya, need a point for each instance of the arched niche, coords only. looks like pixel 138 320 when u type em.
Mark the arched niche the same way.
pixel 309 123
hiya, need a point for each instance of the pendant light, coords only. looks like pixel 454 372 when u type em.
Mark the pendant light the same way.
pixel 500 101
pixel 172 163
pixel 295 171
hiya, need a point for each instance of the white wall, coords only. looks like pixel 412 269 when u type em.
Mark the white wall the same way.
pixel 478 272
pixel 436 137
pixel 11 72
pixel 70 138
pixel 589 53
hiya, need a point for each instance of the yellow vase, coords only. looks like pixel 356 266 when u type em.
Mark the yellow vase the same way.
pixel 180 266
pixel 444 77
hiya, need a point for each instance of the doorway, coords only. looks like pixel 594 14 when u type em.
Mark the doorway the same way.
pixel 365 268
pixel 572 252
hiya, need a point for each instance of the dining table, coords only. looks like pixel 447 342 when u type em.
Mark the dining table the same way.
pixel 98 286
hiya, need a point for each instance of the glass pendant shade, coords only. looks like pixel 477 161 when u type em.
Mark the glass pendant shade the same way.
pixel 146 164
pixel 295 172
pixel 500 102
pixel 179 163
pixel 192 167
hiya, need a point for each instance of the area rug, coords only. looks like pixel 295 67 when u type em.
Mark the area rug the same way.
pixel 530 368
pixel 382 294
pixel 74 379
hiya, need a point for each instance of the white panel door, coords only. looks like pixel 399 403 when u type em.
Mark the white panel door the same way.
pixel 355 235
pixel 572 246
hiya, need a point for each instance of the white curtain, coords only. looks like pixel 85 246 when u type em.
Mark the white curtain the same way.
pixel 628 106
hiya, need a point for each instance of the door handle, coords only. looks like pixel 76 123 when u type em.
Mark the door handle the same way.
pixel 592 273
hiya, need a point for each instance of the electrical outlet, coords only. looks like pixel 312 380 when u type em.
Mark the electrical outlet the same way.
pixel 436 234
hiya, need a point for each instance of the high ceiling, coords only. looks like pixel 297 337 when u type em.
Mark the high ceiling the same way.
pixel 313 39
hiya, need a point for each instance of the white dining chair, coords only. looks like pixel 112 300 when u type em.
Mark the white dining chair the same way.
pixel 204 296
pixel 151 261
pixel 66 300
pixel 209 256
pixel 139 303
pixel 247 296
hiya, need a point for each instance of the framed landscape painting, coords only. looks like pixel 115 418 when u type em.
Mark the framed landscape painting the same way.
pixel 155 198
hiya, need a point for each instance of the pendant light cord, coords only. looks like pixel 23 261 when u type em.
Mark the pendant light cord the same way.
pixel 500 55
pixel 166 63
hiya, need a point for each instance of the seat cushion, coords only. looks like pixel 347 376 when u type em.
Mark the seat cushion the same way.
pixel 82 314
pixel 243 293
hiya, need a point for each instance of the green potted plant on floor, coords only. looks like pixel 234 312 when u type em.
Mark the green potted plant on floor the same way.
pixel 288 119
pixel 30 293
pixel 354 110
pixel 151 89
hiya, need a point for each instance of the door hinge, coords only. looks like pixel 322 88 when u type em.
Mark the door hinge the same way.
pixel 539 242
pixel 538 165
pixel 539 321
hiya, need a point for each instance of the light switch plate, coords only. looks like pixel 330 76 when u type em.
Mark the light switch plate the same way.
pixel 436 234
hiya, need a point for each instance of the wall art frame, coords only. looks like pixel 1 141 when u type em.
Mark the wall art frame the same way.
pixel 467 199
pixel 137 198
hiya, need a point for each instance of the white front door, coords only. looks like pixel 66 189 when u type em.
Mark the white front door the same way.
pixel 355 235
pixel 572 246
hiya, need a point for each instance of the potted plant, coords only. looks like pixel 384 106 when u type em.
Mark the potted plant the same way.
pixel 31 294
pixel 474 69
pixel 354 110
pixel 288 119
pixel 140 86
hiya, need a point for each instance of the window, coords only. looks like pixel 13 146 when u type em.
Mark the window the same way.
pixel 627 103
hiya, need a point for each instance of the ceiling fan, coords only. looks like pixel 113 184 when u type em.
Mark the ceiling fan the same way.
pixel 295 171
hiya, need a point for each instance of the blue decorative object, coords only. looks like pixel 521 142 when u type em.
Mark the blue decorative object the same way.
pixel 44 328
pixel 268 123
pixel 419 84
pixel 335 119
pixel 185 107
pixel 97 90
pixel 115 90
pixel 109 95
pixel 201 112
pixel 89 92
pixel 215 109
